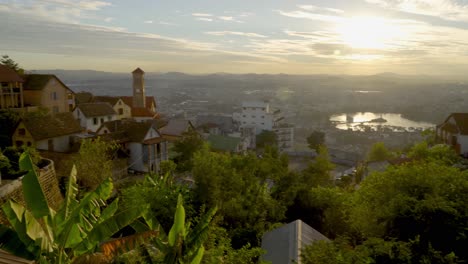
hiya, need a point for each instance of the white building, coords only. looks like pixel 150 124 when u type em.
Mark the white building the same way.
pixel 92 115
pixel 259 116
pixel 145 145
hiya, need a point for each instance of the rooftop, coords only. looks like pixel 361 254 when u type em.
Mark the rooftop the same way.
pixel 51 126
pixel 96 109
pixel 9 75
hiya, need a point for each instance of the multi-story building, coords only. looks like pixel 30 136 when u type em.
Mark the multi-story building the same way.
pixel 11 89
pixel 259 116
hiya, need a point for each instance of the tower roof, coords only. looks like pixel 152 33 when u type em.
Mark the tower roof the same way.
pixel 138 70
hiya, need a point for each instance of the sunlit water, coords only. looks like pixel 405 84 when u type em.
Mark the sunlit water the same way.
pixel 357 122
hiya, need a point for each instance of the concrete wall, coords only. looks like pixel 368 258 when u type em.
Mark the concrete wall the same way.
pixel 60 144
pixel 463 141
pixel 25 139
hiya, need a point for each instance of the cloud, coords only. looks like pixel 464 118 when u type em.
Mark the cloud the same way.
pixel 445 9
pixel 226 18
pixel 309 15
pixel 201 15
pixel 167 23
pixel 108 19
pixel 57 10
pixel 235 33
pixel 148 22
pixel 204 19
pixel 321 9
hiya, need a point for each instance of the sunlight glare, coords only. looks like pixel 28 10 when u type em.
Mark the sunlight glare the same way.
pixel 369 32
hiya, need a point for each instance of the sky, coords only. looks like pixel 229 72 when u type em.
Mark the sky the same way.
pixel 239 36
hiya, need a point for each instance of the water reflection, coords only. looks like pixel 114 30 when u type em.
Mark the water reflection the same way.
pixel 376 121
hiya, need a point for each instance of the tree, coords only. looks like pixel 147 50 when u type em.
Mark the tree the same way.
pixel 77 228
pixel 266 138
pixel 425 201
pixel 185 147
pixel 94 162
pixel 238 185
pixel 316 139
pixel 379 152
pixel 318 172
pixel 7 61
pixel 8 121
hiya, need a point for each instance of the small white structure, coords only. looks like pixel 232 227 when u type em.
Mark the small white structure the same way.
pixel 92 115
pixel 259 116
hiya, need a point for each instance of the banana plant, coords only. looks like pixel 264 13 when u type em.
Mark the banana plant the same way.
pixel 183 245
pixel 37 232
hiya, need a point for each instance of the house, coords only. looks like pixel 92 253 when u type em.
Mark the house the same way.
pixel 226 143
pixel 175 129
pixel 144 144
pixel 92 115
pixel 454 132
pixel 52 132
pixel 283 245
pixel 48 91
pixel 121 108
pixel 11 88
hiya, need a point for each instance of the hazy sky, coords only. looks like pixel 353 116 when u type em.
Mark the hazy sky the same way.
pixel 201 36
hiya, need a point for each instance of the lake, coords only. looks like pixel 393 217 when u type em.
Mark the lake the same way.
pixel 395 122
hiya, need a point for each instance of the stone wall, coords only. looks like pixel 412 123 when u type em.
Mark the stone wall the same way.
pixel 48 181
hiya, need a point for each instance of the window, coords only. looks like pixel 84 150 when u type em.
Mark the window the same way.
pixel 120 102
pixel 29 143
pixel 243 115
pixel 95 121
pixel 120 110
pixel 55 109
pixel 102 120
pixel 70 108
pixel 263 116
pixel 70 96
pixel 244 122
pixel 253 116
pixel 19 143
pixel 109 118
pixel 22 132
pixel 53 96
pixel 263 123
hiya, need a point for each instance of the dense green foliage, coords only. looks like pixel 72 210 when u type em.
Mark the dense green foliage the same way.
pixel 9 161
pixel 266 138
pixel 316 139
pixel 185 147
pixel 379 152
pixel 10 63
pixel 94 162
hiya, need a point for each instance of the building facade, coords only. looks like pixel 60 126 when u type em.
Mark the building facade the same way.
pixel 92 116
pixel 48 91
pixel 11 89
pixel 454 132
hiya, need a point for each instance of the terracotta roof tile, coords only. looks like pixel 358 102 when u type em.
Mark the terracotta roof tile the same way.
pixel 9 75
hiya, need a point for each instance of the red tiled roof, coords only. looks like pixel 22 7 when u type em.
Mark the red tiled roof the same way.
pixel 142 112
pixel 128 100
pixel 9 75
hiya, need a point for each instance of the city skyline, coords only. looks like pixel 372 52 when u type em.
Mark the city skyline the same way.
pixel 295 37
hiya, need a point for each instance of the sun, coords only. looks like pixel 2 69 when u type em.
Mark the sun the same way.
pixel 369 32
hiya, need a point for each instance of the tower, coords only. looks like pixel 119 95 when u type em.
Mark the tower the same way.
pixel 139 98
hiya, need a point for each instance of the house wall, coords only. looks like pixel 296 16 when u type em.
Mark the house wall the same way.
pixel 60 144
pixel 62 101
pixel 463 141
pixel 88 123
pixel 127 111
pixel 136 156
pixel 25 139
pixel 256 116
